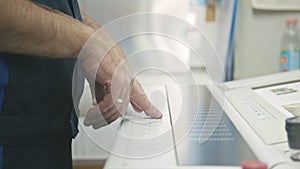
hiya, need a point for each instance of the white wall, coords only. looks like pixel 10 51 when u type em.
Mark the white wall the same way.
pixel 258 40
pixel 104 11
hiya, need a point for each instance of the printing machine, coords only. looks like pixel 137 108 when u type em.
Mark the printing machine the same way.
pixel 248 128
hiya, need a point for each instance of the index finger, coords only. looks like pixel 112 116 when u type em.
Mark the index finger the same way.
pixel 139 97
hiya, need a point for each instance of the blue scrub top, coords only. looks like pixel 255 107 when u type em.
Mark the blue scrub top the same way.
pixel 3 83
pixel 38 94
pixel 3 78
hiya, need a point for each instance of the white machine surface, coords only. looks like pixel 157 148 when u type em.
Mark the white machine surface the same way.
pixel 250 127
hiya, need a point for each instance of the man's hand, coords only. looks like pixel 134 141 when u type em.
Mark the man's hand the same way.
pixel 60 36
pixel 109 73
pixel 138 99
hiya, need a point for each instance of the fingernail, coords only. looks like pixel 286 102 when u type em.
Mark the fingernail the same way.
pixel 87 122
pixel 155 113
pixel 159 116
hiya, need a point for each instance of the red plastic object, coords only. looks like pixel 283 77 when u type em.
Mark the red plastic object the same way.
pixel 253 165
pixel 291 21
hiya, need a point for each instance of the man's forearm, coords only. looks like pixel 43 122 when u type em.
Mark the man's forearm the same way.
pixel 28 28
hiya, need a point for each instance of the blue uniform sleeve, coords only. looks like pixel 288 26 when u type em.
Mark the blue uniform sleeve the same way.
pixel 1 157
pixel 3 79
pixel 3 83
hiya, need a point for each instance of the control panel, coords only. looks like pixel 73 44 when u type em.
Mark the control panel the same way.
pixel 266 121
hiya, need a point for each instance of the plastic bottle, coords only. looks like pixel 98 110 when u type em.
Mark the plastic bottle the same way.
pixel 290 47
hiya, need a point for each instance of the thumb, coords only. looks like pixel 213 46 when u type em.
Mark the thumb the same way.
pixel 92 89
pixel 141 101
